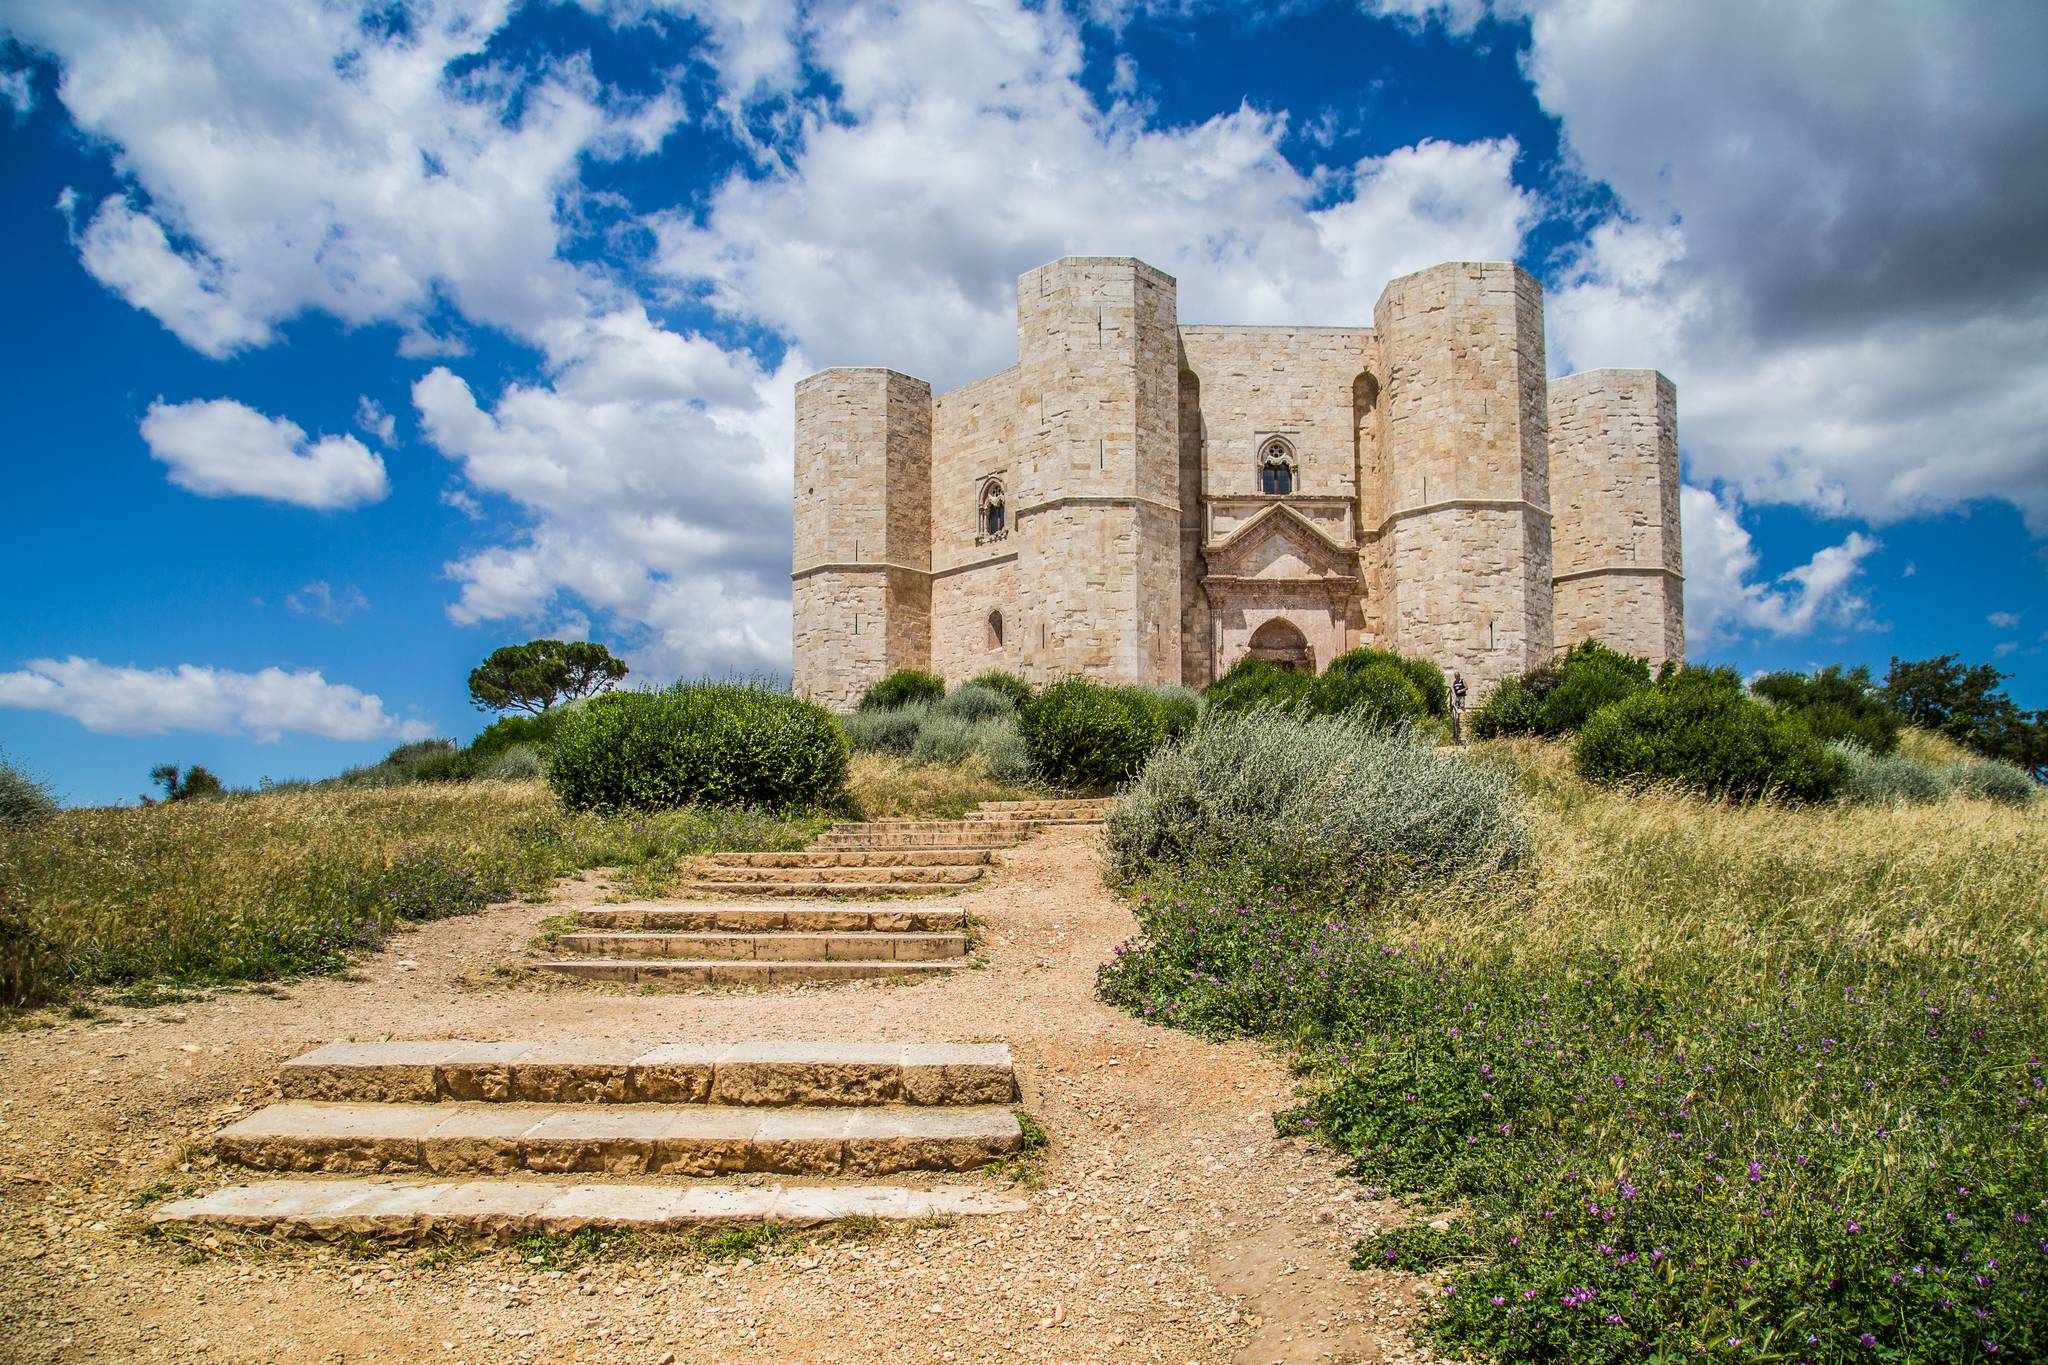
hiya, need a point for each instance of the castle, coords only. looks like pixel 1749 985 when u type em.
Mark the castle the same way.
pixel 1139 500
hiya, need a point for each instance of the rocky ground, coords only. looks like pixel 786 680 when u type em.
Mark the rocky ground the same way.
pixel 1167 1221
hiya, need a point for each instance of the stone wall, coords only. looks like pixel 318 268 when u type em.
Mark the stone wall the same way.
pixel 976 436
pixel 1465 447
pixel 1614 502
pixel 862 553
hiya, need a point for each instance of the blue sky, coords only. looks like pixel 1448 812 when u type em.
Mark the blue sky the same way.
pixel 346 344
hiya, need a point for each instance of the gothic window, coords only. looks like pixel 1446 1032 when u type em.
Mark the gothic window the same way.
pixel 992 520
pixel 1276 468
pixel 995 630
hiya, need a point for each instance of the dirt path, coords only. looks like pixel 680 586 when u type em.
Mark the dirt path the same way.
pixel 1171 1224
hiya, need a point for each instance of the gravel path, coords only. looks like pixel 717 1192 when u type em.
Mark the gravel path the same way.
pixel 1169 1223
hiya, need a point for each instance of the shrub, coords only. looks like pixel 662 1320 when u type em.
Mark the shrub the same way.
pixel 1377 693
pixel 506 732
pixel 521 762
pixel 1253 683
pixel 1427 678
pixel 1082 734
pixel 943 739
pixel 904 686
pixel 1009 684
pixel 23 795
pixel 1989 780
pixel 1697 727
pixel 1004 750
pixel 972 701
pixel 1328 806
pixel 1179 708
pixel 891 730
pixel 1562 695
pixel 724 743
pixel 1887 779
pixel 1835 705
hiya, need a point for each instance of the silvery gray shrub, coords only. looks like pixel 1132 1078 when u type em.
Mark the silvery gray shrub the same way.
pixel 892 729
pixel 973 701
pixel 1325 807
pixel 1888 779
pixel 1990 780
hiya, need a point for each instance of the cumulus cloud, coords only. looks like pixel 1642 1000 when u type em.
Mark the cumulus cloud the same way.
pixel 1724 599
pixel 963 149
pixel 371 417
pixel 329 603
pixel 293 157
pixel 220 448
pixel 18 92
pixel 1824 239
pixel 267 704
pixel 2004 620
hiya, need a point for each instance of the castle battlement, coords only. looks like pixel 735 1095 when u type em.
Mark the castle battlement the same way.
pixel 1138 500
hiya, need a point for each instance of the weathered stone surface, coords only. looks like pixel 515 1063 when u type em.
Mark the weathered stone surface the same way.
pixel 958 1073
pixel 366 1071
pixel 502 1211
pixel 769 1073
pixel 759 918
pixel 1140 545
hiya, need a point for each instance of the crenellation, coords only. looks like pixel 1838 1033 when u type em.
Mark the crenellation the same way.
pixel 1174 497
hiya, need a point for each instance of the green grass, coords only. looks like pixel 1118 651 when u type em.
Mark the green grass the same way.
pixel 1706 1082
pixel 154 902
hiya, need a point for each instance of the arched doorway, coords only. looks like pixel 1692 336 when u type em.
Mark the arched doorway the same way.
pixel 1281 642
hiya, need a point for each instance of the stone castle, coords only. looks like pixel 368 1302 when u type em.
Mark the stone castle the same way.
pixel 1142 500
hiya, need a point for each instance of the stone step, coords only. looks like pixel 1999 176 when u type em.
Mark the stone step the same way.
pixel 1050 821
pixel 1021 828
pixel 774 947
pixel 669 972
pixel 621 1071
pixel 949 874
pixel 654 1139
pixel 967 841
pixel 504 1211
pixel 1079 803
pixel 817 890
pixel 756 918
pixel 919 857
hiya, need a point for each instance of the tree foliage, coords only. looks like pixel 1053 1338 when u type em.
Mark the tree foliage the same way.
pixel 1966 703
pixel 185 784
pixel 534 676
pixel 1835 703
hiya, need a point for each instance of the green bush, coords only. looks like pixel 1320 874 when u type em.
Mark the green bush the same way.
pixel 1008 757
pixel 518 763
pixel 1327 806
pixel 1082 734
pixel 1561 696
pixel 1835 705
pixel 1887 779
pixel 1377 693
pixel 973 701
pixel 23 795
pixel 901 688
pixel 1253 683
pixel 506 732
pixel 1987 779
pixel 1699 728
pixel 1426 676
pixel 890 730
pixel 1179 708
pixel 723 743
pixel 1009 684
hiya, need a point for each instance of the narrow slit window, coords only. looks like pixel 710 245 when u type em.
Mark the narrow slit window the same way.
pixel 995 630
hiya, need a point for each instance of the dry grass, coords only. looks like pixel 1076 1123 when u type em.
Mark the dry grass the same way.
pixel 1928 747
pixel 1649 871
pixel 884 786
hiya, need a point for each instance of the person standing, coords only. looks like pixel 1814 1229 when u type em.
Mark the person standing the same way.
pixel 1457 707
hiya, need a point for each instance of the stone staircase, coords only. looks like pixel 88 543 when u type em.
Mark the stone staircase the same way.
pixel 845 934
pixel 469 1139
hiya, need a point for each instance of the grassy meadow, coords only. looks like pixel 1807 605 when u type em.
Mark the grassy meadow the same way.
pixel 1697 1081
pixel 273 885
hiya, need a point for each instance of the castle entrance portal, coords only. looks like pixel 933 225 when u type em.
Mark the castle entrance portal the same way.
pixel 1281 642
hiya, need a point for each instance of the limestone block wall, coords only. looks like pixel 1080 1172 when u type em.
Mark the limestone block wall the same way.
pixel 1288 381
pixel 1197 658
pixel 1614 502
pixel 1465 539
pixel 1322 621
pixel 1099 371
pixel 862 549
pixel 977 434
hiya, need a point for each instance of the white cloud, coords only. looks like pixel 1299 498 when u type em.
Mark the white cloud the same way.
pixel 220 447
pixel 2004 647
pixel 963 150
pixel 322 599
pixel 266 704
pixel 2004 620
pixel 293 157
pixel 1722 598
pixel 18 91
pixel 371 417
pixel 1824 240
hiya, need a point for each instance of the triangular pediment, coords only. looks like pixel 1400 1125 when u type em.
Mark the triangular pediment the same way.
pixel 1280 543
